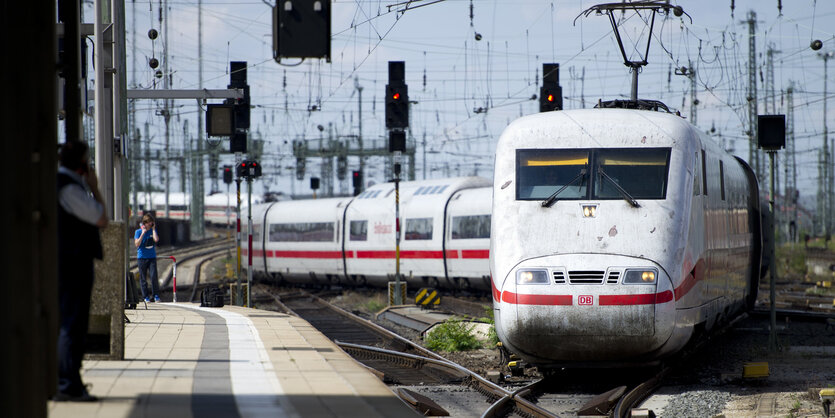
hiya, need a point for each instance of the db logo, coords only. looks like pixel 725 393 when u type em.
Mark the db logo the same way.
pixel 585 300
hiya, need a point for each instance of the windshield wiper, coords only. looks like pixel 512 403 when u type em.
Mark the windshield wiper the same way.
pixel 626 196
pixel 547 203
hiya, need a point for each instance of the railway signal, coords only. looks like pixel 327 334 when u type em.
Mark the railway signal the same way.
pixel 550 94
pixel 302 29
pixel 227 174
pixel 397 97
pixel 248 169
pixel 356 178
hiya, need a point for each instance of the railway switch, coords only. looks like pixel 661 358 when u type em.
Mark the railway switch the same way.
pixel 827 396
pixel 756 370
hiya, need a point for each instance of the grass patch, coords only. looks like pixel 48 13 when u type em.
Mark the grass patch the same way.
pixel 452 335
pixel 791 261
pixel 492 337
pixel 374 305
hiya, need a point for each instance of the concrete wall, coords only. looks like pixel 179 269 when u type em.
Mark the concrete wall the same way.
pixel 106 336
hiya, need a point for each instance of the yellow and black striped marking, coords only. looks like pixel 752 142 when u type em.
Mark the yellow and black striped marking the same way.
pixel 427 296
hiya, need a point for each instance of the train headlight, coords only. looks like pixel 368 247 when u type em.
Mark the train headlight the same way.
pixel 640 276
pixel 532 277
pixel 589 211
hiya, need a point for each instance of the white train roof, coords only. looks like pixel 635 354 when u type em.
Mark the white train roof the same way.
pixel 596 128
pixel 416 194
pixel 308 210
pixel 478 201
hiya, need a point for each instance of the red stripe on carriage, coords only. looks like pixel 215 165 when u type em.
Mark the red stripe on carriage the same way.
pixel 475 253
pixel 522 299
pixel 403 254
pixel 694 277
pixel 307 254
pixel 642 299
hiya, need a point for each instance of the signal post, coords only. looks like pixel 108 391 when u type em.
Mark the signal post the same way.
pixel 397 120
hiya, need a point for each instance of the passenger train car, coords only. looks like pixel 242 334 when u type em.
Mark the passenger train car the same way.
pixel 215 206
pixel 617 235
pixel 444 243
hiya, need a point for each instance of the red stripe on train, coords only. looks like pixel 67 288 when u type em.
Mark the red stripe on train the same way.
pixel 475 253
pixel 405 254
pixel 642 299
pixel 522 299
pixel 307 254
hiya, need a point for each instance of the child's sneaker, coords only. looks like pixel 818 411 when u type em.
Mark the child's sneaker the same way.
pixel 147 300
pixel 156 298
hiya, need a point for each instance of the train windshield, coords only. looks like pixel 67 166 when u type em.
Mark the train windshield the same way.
pixel 541 173
pixel 640 173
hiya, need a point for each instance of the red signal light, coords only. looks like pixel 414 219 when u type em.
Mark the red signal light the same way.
pixel 550 98
pixel 396 96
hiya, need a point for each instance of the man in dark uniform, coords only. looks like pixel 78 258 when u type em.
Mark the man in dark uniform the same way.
pixel 81 212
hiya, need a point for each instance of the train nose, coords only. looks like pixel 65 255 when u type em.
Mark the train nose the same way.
pixel 588 307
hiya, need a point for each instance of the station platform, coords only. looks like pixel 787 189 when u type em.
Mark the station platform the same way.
pixel 182 361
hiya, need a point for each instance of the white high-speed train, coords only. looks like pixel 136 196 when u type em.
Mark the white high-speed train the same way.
pixel 444 243
pixel 617 235
pixel 215 205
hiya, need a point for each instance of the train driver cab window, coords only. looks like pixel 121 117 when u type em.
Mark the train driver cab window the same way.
pixel 418 229
pixel 542 172
pixel 359 231
pixel 640 172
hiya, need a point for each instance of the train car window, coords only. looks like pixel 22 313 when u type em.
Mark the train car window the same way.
pixel 442 189
pixel 256 233
pixel 541 172
pixel 419 190
pixel 471 227
pixel 302 232
pixel 704 172
pixel 359 231
pixel 722 179
pixel 418 229
pixel 640 172
pixel 697 176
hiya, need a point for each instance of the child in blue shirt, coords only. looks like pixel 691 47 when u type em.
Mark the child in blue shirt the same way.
pixel 145 240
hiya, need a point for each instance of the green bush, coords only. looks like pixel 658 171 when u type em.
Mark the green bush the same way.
pixel 452 335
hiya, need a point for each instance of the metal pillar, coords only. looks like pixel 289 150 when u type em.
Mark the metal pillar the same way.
pixel 825 183
pixel 104 104
pixel 398 296
pixel 753 153
pixel 249 241
pixel 238 234
pixel 772 335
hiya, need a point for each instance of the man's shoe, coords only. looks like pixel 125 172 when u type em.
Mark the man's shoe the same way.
pixel 156 298
pixel 147 300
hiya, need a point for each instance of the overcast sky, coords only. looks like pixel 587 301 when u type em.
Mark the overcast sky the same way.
pixel 498 73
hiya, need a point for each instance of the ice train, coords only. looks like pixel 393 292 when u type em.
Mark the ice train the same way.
pixel 351 240
pixel 617 236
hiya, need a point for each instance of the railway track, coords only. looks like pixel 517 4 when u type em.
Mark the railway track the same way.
pixel 394 359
